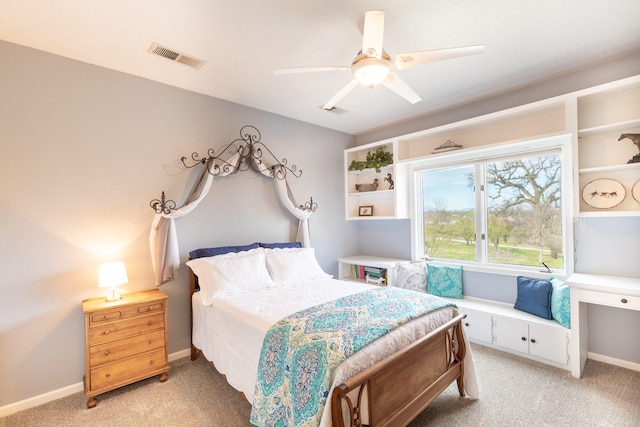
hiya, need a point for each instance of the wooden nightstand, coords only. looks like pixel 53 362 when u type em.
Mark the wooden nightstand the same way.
pixel 125 341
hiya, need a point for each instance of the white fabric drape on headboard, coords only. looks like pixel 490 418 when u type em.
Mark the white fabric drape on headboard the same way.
pixel 163 239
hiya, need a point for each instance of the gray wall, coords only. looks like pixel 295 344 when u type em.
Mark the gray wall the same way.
pixel 84 150
pixel 608 246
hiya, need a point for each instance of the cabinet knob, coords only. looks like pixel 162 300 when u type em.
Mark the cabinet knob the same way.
pixel 106 332
pixel 533 340
pixel 623 300
pixel 466 324
pixel 523 338
pixel 107 375
pixel 106 353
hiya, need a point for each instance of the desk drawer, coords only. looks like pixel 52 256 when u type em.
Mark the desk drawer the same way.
pixel 125 328
pixel 116 350
pixel 124 371
pixel 614 300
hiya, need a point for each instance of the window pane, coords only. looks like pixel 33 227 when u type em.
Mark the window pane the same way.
pixel 449 213
pixel 525 215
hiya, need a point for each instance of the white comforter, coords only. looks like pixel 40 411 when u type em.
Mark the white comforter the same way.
pixel 230 332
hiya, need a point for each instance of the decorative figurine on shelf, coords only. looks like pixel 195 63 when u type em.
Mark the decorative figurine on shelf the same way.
pixel 367 187
pixel 635 138
pixel 389 179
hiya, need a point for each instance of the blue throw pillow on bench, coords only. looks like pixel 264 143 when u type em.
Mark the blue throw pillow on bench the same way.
pixel 534 296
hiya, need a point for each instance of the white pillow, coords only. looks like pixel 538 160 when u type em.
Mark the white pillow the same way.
pixel 293 265
pixel 412 276
pixel 231 273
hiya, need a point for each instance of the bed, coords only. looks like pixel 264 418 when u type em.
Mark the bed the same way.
pixel 240 296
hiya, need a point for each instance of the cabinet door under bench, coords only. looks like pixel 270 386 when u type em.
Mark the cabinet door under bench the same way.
pixel 478 326
pixel 547 342
pixel 125 341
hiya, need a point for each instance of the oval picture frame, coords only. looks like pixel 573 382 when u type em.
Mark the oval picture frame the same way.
pixel 635 191
pixel 603 193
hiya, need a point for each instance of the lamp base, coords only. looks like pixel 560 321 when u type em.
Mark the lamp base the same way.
pixel 113 294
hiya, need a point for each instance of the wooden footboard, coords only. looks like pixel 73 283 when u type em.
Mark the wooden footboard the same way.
pixel 401 386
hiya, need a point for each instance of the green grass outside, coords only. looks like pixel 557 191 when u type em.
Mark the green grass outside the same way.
pixel 503 255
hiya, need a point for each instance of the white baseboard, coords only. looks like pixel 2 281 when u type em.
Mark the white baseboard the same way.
pixel 41 399
pixel 613 361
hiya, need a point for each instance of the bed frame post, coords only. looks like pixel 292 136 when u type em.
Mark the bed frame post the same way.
pixel 192 290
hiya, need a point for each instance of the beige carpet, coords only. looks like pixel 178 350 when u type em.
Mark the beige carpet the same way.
pixel 514 392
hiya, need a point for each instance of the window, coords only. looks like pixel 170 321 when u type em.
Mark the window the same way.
pixel 499 210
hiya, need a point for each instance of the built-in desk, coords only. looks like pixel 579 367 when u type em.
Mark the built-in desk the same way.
pixel 621 292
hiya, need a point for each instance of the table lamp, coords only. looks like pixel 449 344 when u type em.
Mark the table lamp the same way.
pixel 111 275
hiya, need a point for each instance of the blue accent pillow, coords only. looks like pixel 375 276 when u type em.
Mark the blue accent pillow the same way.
pixel 561 302
pixel 534 296
pixel 444 280
pixel 207 252
pixel 281 245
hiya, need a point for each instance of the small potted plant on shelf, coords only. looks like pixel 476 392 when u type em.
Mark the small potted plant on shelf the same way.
pixel 375 160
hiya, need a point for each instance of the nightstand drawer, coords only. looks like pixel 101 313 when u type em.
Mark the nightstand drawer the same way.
pixel 125 370
pixel 141 309
pixel 116 350
pixel 105 317
pixel 125 328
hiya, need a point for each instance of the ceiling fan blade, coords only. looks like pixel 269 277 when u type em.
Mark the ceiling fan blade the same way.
pixel 373 33
pixel 341 94
pixel 396 84
pixel 309 69
pixel 411 59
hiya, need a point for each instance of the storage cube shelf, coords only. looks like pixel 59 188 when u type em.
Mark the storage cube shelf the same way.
pixel 357 268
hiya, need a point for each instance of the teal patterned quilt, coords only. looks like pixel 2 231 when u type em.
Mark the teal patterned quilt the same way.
pixel 300 352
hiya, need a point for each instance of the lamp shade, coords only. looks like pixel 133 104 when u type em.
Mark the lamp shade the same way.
pixel 112 274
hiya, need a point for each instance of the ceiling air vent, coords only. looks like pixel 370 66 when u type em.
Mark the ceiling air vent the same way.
pixel 335 110
pixel 173 55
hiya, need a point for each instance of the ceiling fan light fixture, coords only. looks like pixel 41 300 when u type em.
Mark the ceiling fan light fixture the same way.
pixel 371 71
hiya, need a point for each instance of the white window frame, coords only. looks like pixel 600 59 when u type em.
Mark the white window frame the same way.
pixel 497 152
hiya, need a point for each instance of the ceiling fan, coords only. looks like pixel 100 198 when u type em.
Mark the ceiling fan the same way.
pixel 373 65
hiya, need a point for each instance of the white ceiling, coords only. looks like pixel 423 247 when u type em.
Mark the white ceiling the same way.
pixel 243 41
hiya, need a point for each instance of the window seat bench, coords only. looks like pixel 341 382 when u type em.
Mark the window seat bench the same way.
pixel 499 325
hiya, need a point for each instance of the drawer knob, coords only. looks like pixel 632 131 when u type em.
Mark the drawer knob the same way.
pixel 523 338
pixel 107 375
pixel 106 332
pixel 106 353
pixel 533 340
pixel 623 300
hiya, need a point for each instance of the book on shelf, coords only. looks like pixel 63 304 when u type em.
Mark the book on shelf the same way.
pixel 362 271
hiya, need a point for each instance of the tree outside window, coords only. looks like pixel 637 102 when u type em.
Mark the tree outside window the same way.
pixel 519 207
